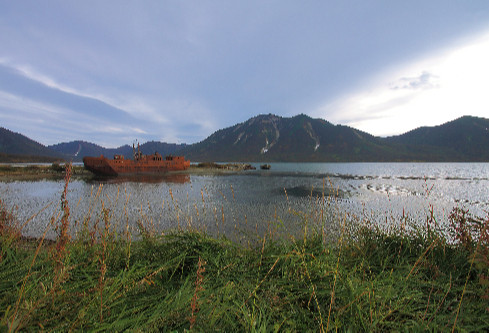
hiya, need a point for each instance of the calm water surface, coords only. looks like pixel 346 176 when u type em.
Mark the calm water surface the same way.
pixel 255 201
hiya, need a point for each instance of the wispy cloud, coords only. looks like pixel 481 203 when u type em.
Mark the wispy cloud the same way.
pixel 123 101
pixel 425 80
pixel 189 119
pixel 39 117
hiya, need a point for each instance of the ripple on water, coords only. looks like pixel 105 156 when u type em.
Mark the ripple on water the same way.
pixel 253 201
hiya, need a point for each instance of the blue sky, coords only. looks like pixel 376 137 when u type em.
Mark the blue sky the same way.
pixel 110 72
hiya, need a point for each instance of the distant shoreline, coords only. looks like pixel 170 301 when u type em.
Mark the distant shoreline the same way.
pixel 55 171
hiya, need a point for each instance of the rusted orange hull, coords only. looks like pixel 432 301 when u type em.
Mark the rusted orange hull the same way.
pixel 142 164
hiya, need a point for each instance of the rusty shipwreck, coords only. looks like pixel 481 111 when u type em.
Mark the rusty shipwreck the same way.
pixel 141 164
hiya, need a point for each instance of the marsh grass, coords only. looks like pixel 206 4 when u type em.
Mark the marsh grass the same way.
pixel 38 172
pixel 360 278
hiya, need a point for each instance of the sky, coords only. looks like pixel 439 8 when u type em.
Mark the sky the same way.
pixel 113 71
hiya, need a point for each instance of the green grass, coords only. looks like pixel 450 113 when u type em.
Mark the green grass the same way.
pixel 365 279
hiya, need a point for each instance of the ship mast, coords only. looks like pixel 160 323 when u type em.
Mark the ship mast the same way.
pixel 137 156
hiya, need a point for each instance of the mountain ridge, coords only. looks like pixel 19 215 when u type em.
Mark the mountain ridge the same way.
pixel 272 138
pixel 15 147
pixel 75 150
pixel 466 137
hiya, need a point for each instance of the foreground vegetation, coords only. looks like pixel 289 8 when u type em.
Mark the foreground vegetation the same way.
pixel 366 279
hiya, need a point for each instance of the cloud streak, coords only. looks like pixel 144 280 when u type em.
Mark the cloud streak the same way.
pixel 425 80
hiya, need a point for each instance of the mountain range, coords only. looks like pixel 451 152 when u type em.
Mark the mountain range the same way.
pixel 301 138
pixel 15 147
pixel 270 138
pixel 75 150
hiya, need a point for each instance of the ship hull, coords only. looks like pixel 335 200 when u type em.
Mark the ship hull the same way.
pixel 152 164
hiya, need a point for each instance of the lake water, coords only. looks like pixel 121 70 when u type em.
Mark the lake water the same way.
pixel 282 198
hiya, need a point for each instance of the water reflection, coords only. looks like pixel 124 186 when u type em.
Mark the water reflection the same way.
pixel 304 191
pixel 251 202
pixel 176 178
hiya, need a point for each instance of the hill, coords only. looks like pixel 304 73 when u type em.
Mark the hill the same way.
pixel 300 138
pixel 15 147
pixel 163 148
pixel 463 139
pixel 76 150
pixel 271 138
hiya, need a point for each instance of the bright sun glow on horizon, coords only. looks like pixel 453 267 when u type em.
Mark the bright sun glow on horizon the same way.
pixel 427 92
